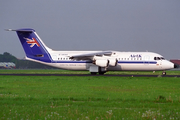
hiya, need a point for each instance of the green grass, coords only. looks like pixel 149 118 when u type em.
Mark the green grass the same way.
pixel 58 71
pixel 93 97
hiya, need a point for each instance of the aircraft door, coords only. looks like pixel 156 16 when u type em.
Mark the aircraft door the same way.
pixel 160 63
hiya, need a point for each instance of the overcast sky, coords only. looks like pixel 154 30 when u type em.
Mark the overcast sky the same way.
pixel 121 25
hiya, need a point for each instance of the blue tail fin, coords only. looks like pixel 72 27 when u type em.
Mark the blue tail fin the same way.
pixel 33 45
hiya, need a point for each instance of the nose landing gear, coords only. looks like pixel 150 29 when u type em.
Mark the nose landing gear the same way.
pixel 164 73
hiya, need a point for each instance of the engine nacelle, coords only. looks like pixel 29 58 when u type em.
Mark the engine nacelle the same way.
pixel 102 63
pixel 113 62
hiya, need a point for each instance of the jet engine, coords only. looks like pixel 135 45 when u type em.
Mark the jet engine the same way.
pixel 102 63
pixel 113 62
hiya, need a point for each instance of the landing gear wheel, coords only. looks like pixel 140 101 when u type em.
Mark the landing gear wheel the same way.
pixel 164 73
pixel 101 73
pixel 93 73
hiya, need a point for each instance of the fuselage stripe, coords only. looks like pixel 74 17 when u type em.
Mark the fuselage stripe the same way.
pixel 120 62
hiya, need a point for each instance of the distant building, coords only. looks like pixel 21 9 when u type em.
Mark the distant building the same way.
pixel 175 61
pixel 8 65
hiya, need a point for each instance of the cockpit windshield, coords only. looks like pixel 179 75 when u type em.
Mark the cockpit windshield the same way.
pixel 159 58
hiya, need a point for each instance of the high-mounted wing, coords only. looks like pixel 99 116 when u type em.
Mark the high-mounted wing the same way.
pixel 90 55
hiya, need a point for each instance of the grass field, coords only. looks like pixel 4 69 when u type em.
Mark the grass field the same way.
pixel 57 71
pixel 89 98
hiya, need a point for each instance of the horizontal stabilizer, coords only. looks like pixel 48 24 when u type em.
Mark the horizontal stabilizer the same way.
pixel 21 30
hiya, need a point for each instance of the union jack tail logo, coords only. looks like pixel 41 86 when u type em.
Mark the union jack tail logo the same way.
pixel 32 41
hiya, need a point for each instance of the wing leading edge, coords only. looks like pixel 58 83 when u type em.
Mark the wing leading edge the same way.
pixel 90 55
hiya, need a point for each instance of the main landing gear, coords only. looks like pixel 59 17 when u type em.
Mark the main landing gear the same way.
pixel 100 73
pixel 96 69
pixel 93 73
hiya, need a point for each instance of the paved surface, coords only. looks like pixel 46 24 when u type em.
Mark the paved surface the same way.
pixel 108 75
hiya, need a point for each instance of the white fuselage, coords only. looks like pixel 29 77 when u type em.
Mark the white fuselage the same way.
pixel 130 61
pixel 94 61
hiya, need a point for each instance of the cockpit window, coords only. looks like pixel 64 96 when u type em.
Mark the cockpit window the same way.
pixel 162 58
pixel 159 58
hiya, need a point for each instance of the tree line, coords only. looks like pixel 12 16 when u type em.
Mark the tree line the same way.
pixel 22 64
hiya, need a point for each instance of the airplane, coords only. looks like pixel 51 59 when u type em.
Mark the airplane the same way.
pixel 94 61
